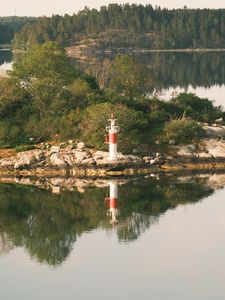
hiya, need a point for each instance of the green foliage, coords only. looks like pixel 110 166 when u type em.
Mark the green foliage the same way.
pixel 130 78
pixel 199 109
pixel 48 61
pixel 182 131
pixel 133 25
pixel 95 118
pixel 11 96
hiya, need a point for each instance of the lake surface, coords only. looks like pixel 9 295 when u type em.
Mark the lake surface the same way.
pixel 166 242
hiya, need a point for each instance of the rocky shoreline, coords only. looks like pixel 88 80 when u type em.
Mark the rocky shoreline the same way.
pixel 70 159
pixel 76 159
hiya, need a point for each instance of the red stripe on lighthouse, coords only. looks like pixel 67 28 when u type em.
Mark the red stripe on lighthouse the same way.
pixel 113 203
pixel 112 138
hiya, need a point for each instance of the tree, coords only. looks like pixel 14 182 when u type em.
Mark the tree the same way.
pixel 44 61
pixel 10 96
pixel 130 78
pixel 44 72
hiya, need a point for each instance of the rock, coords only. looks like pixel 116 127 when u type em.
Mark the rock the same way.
pixel 56 160
pixel 186 150
pixel 7 162
pixel 69 159
pixel 80 146
pixel 54 149
pixel 100 154
pixel 28 158
pixel 215 148
pixel 80 156
pixel 214 131
pixel 88 161
pixel 219 121
pixel 172 142
pixel 147 159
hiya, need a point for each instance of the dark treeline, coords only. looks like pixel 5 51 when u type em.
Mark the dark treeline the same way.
pixel 158 28
pixel 10 25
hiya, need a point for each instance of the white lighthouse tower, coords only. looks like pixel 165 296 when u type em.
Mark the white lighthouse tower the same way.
pixel 112 130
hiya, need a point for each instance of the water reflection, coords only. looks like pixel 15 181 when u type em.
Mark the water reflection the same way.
pixel 48 224
pixel 169 69
pixel 112 203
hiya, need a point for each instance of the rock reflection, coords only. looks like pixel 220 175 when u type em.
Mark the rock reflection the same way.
pixel 47 216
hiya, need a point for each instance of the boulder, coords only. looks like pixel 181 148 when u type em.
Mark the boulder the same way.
pixel 186 150
pixel 80 156
pixel 80 146
pixel 215 131
pixel 56 160
pixel 28 158
pixel 54 149
pixel 7 162
pixel 88 161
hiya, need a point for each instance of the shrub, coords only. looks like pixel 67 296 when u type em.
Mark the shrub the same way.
pixel 182 131
pixel 199 109
pixel 132 125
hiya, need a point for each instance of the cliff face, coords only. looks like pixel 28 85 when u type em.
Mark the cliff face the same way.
pixel 113 41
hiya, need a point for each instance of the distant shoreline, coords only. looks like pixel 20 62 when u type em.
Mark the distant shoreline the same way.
pixel 128 50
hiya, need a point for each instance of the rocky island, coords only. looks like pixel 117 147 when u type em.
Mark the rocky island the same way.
pixel 73 158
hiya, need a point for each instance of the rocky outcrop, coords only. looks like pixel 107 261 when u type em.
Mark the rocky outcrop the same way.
pixel 70 159
pixel 208 154
pixel 75 159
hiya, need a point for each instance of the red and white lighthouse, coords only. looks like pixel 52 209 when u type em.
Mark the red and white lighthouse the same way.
pixel 112 202
pixel 112 130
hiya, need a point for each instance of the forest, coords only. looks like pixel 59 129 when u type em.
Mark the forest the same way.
pixel 130 26
pixel 10 25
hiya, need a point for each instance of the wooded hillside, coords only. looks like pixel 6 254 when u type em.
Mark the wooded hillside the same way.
pixel 156 27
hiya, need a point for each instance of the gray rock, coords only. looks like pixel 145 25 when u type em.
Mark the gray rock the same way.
pixel 88 161
pixel 187 150
pixel 80 156
pixel 100 154
pixel 28 158
pixel 172 142
pixel 55 149
pixel 7 162
pixel 56 160
pixel 214 131
pixel 80 146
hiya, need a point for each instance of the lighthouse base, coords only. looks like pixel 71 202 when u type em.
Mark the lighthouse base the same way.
pixel 112 151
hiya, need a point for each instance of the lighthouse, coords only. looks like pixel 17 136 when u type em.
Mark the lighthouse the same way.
pixel 111 202
pixel 112 130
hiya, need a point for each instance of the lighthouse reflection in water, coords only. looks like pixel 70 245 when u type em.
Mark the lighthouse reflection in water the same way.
pixel 112 203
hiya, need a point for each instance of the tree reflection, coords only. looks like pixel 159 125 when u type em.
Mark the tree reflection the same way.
pixel 169 69
pixel 47 225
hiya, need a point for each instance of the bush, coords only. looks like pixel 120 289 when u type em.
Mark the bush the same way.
pixel 132 125
pixel 199 109
pixel 183 131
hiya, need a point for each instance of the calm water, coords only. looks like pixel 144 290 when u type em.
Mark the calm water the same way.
pixel 168 241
